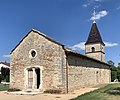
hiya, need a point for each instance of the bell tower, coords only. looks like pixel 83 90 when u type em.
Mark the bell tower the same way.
pixel 94 46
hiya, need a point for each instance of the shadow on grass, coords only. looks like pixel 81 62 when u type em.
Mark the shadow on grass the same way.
pixel 113 91
pixel 104 93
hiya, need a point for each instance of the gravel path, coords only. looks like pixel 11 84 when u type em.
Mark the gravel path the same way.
pixel 5 96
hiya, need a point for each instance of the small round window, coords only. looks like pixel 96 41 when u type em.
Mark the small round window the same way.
pixel 33 53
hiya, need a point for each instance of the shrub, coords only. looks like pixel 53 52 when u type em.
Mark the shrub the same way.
pixel 13 90
pixel 7 78
pixel 53 91
pixel 114 91
pixel 1 78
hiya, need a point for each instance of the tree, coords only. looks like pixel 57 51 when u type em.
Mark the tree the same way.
pixel 5 73
pixel 110 62
pixel 119 64
pixel 114 73
pixel 7 78
pixel 1 78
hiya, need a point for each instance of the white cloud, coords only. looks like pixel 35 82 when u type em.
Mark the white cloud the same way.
pixel 81 45
pixel 90 2
pixel 118 8
pixel 6 56
pixel 99 15
pixel 98 0
pixel 110 44
pixel 85 5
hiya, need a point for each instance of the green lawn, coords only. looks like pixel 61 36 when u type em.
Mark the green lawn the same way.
pixel 109 92
pixel 3 88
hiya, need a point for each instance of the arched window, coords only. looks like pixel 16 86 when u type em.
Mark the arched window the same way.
pixel 93 49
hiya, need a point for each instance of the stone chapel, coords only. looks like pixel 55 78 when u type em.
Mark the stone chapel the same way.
pixel 39 62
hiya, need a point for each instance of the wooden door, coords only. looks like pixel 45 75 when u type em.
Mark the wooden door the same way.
pixel 30 78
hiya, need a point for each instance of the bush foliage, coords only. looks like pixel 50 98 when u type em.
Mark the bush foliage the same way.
pixel 53 91
pixel 1 78
pixel 5 74
pixel 115 71
pixel 13 90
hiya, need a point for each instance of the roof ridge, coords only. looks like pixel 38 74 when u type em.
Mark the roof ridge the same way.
pixel 40 33
pixel 78 53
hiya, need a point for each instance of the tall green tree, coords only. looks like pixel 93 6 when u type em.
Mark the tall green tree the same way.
pixel 5 73
pixel 110 62
pixel 114 70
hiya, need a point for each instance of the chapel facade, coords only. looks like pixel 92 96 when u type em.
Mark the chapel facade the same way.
pixel 39 62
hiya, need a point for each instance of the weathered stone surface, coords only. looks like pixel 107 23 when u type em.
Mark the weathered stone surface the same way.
pixel 86 72
pixel 98 53
pixel 49 55
pixel 51 59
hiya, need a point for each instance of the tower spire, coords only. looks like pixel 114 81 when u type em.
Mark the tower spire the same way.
pixel 94 15
pixel 94 46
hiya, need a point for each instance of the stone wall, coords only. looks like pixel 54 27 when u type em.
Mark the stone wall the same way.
pixel 83 72
pixel 98 53
pixel 50 56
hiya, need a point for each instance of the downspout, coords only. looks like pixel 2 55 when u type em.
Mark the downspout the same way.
pixel 66 76
pixel 66 70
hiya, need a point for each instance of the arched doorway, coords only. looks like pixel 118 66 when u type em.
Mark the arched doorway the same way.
pixel 33 77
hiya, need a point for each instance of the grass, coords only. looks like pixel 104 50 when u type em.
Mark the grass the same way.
pixel 4 88
pixel 109 92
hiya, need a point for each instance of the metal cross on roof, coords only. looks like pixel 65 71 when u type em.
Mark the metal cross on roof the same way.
pixel 94 14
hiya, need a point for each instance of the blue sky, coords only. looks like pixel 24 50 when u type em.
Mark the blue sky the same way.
pixel 67 21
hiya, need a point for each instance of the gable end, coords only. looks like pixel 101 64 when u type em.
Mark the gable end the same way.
pixel 35 31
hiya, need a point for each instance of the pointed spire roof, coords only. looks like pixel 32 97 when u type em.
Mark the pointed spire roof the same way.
pixel 94 35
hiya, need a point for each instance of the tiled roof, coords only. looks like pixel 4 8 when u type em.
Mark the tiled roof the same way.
pixel 94 35
pixel 5 63
pixel 69 51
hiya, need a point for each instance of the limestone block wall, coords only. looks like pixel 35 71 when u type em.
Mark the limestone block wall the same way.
pixel 98 47
pixel 50 56
pixel 97 55
pixel 84 72
pixel 99 51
